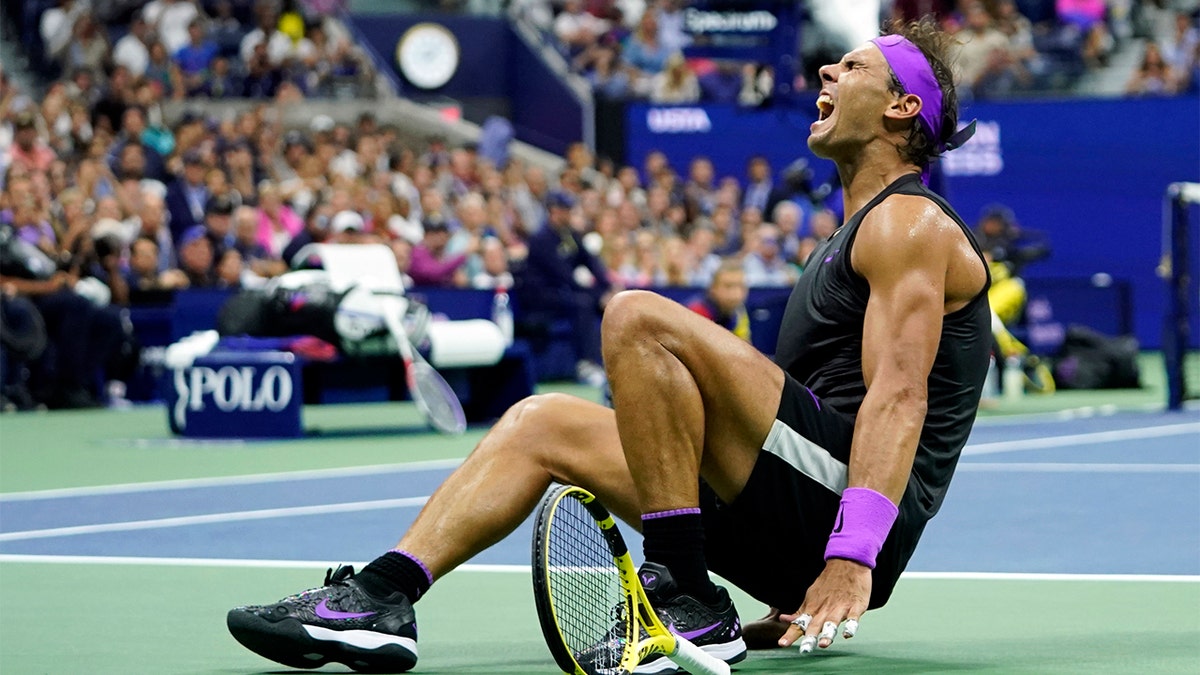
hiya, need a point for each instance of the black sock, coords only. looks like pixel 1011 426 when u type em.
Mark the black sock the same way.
pixel 394 571
pixel 675 540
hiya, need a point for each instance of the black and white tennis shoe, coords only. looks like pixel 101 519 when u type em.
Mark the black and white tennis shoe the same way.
pixel 339 621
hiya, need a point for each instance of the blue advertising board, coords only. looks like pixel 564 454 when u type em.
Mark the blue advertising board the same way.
pixel 1091 174
pixel 237 394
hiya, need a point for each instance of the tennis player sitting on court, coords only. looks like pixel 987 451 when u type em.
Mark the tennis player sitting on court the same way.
pixel 817 473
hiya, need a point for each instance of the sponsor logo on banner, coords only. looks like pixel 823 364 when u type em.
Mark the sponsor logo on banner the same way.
pixel 231 389
pixel 678 120
pixel 980 156
pixel 699 22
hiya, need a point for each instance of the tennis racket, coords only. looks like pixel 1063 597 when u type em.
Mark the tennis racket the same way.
pixel 438 403
pixel 592 607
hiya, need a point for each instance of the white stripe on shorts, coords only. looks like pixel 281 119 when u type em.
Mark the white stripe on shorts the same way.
pixel 806 457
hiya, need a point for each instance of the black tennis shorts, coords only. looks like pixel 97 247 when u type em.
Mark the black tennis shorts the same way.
pixel 770 541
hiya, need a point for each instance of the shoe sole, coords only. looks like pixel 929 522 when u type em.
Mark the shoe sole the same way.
pixel 729 652
pixel 297 645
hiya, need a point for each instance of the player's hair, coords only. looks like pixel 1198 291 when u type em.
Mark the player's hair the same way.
pixel 936 45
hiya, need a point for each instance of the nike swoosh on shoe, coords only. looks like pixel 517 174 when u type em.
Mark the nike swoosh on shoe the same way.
pixel 693 634
pixel 331 614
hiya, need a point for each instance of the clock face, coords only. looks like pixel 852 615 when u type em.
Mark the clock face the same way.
pixel 427 55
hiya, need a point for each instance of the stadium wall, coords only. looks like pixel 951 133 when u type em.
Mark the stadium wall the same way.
pixel 498 74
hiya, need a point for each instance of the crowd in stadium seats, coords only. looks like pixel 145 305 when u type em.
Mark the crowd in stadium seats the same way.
pixel 633 48
pixel 214 49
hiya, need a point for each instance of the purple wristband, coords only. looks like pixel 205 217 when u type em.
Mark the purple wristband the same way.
pixel 863 522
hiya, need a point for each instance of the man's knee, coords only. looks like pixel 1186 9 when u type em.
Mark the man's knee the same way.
pixel 534 416
pixel 631 313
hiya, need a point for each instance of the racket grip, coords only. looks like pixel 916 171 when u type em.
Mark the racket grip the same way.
pixel 696 661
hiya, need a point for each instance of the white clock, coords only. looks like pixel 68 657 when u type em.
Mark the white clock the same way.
pixel 428 55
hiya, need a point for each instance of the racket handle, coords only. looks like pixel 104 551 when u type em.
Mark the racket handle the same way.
pixel 696 661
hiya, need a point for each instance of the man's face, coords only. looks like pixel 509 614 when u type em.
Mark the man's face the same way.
pixel 560 216
pixel 854 96
pixel 197 256
pixel 194 173
pixel 143 258
pixel 218 224
pixel 25 137
pixel 728 291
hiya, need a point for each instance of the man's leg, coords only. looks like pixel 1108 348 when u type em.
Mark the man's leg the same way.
pixel 690 400
pixel 367 620
pixel 543 438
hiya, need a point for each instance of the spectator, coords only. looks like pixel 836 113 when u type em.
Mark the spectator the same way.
pixel 89 46
pixel 196 257
pixel 494 272
pixel 758 183
pixel 985 62
pixel 725 300
pixel 255 257
pixel 316 231
pixel 605 72
pixel 218 224
pixel 1179 51
pixel 57 27
pixel 670 25
pixel 277 222
pixel 562 280
pixel 576 29
pixel 131 51
pixel 152 224
pixel 187 195
pixel 1005 241
pixel 765 264
pixel 432 263
pixel 644 52
pixel 230 272
pixel 1154 76
pixel 195 58
pixel 675 84
pixel 170 19
pixel 29 151
pixel 146 281
pixel 162 72
pixel 788 217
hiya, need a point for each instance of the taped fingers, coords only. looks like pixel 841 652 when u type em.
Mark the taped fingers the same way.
pixel 850 628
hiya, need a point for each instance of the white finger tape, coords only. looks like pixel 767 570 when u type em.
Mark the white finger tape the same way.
pixel 807 643
pixel 850 629
pixel 802 621
pixel 829 630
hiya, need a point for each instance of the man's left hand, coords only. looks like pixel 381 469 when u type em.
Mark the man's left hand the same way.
pixel 839 595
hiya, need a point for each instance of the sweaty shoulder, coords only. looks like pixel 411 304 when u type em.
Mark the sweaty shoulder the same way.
pixel 911 234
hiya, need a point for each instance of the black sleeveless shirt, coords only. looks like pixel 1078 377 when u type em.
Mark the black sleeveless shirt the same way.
pixel 820 345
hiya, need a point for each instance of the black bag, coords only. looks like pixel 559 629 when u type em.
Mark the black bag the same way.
pixel 1091 360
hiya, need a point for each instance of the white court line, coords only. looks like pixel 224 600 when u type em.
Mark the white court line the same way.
pixel 1082 439
pixel 431 465
pixel 1078 467
pixel 220 481
pixel 524 569
pixel 206 519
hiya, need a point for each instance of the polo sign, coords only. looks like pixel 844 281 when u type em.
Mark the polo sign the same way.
pixel 237 395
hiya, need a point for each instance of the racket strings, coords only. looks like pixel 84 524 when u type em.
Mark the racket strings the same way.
pixel 441 402
pixel 586 587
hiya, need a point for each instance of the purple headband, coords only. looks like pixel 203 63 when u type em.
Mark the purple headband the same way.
pixel 916 76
